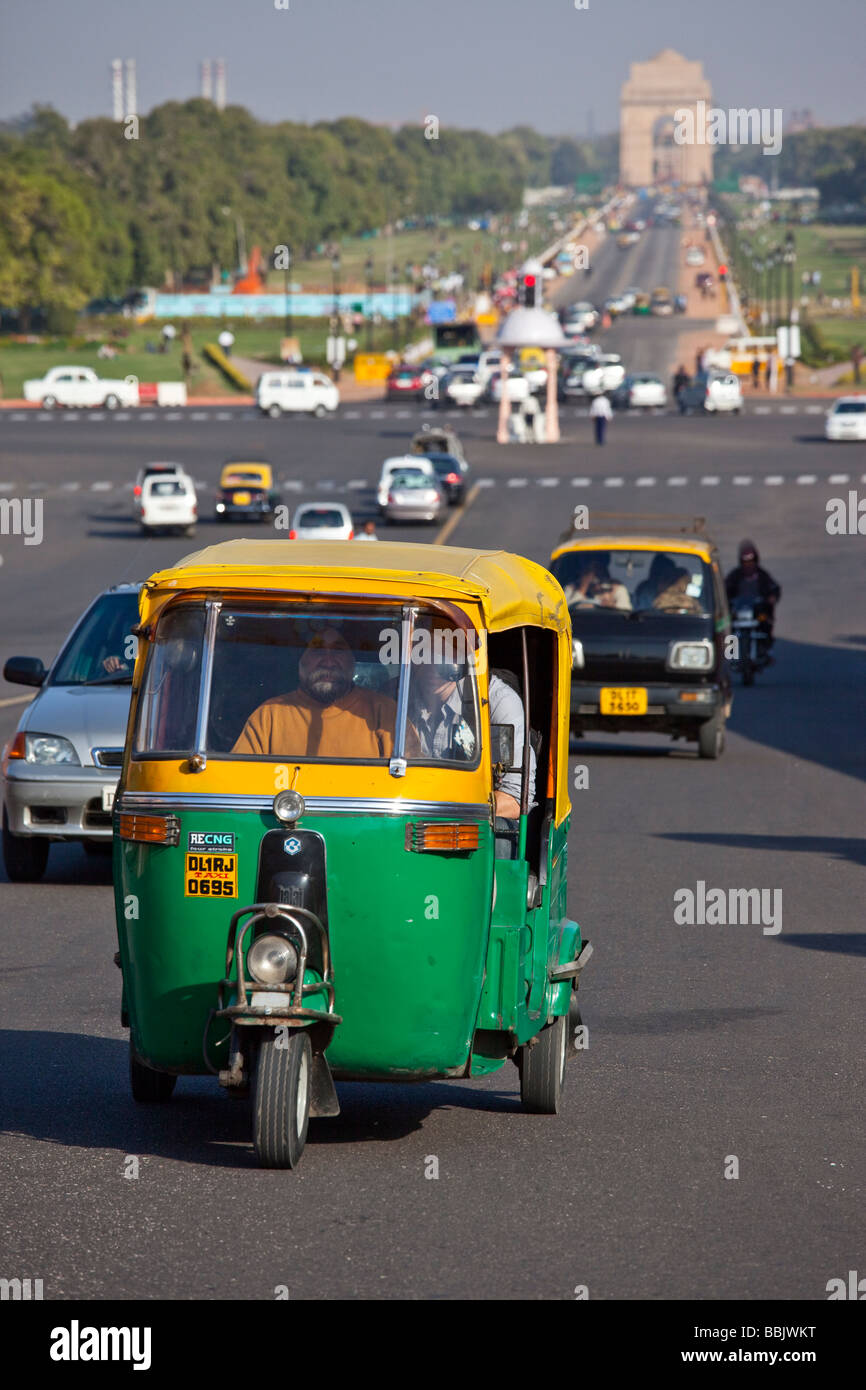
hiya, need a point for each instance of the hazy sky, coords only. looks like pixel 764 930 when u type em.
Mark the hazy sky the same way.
pixel 481 63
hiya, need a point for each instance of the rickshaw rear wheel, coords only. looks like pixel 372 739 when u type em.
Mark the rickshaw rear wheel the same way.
pixel 542 1069
pixel 149 1087
pixel 281 1098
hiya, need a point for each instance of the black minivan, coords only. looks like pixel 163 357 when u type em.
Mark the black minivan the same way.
pixel 649 619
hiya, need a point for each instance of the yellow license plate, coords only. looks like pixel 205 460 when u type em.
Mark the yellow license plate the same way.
pixel 623 700
pixel 211 876
pixel 241 499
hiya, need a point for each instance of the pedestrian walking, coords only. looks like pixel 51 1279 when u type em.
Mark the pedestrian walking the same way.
pixel 600 412
pixel 768 371
pixel 756 373
pixel 168 335
pixel 226 341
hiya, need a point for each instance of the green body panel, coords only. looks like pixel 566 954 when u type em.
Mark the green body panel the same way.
pixel 408 933
pixel 417 965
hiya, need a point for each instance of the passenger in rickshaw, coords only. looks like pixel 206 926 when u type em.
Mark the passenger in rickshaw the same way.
pixel 436 709
pixel 326 716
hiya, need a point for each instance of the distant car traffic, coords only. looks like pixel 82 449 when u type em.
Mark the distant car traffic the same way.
pixel 290 392
pixel 640 391
pixel 716 392
pixel 405 382
pixel 452 473
pixel 322 521
pixel 62 764
pixel 846 419
pixel 155 470
pixel 461 387
pixel 397 464
pixel 168 503
pixel 661 302
pixel 413 495
pixel 81 387
pixel 246 489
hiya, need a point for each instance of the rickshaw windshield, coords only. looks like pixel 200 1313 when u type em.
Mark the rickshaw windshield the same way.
pixel 312 682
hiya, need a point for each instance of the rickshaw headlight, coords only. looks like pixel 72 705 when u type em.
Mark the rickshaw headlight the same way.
pixel 288 806
pixel 271 960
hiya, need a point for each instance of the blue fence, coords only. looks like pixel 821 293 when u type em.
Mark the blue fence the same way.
pixel 261 306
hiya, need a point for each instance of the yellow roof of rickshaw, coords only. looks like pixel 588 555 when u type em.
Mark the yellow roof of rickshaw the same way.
pixel 512 591
pixel 685 545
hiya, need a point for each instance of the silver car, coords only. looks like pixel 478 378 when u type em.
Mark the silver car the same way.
pixel 62 766
pixel 414 495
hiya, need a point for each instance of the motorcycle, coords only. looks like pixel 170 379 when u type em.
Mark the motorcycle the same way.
pixel 751 627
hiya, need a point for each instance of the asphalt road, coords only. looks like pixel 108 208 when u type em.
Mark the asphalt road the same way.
pixel 705 1042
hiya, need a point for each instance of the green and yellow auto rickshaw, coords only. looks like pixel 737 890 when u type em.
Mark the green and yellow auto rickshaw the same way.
pixel 337 854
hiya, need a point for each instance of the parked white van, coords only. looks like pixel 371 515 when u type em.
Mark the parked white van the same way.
pixel 281 392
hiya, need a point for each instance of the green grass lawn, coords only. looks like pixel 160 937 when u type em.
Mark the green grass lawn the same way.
pixel 21 361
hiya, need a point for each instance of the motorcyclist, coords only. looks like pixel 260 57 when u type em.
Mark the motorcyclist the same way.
pixel 750 584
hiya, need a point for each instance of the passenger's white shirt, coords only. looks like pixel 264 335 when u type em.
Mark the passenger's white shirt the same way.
pixel 601 406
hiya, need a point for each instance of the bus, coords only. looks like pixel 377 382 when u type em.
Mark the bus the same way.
pixel 452 340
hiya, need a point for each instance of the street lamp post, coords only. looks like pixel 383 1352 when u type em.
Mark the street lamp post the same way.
pixel 394 323
pixel 287 272
pixel 335 312
pixel 368 273
pixel 790 257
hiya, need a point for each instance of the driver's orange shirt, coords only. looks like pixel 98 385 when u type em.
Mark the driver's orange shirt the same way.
pixel 360 725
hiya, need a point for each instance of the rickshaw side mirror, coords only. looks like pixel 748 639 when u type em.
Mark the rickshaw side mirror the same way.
pixel 502 746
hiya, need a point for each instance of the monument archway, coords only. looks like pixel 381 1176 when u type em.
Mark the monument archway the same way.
pixel 648 152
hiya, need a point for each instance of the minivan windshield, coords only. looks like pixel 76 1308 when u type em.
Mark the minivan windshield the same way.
pixel 635 581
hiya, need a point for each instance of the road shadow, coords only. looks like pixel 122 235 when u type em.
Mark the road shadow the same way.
pixel 838 942
pixel 847 848
pixel 808 705
pixel 73 1090
pixel 666 1021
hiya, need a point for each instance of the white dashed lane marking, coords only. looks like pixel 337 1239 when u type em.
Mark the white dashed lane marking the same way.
pixel 807 478
pixel 838 478
pixel 711 480
pixel 645 482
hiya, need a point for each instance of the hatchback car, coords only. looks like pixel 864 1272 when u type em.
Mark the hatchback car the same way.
pixel 846 419
pixel 452 473
pixel 62 765
pixel 417 460
pixel 413 495
pixel 246 490
pixel 168 503
pixel 649 618
pixel 322 521
pixel 640 391
pixel 407 383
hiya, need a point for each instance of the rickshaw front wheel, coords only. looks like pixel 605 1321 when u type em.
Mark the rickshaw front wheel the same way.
pixel 149 1087
pixel 542 1068
pixel 281 1098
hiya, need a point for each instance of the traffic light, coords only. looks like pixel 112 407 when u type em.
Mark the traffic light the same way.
pixel 528 291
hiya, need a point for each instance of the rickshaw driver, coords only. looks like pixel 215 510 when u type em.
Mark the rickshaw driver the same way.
pixel 326 716
pixel 435 707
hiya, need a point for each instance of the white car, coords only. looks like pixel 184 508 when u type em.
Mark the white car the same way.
pixel 463 386
pixel 607 376
pixel 80 386
pixel 489 364
pixel 311 393
pixel 154 470
pixel 322 521
pixel 517 388
pixel 724 393
pixel 646 391
pixel 694 256
pixel 168 503
pixel 398 465
pixel 846 419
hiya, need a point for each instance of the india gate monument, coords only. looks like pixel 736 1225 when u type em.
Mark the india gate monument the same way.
pixel 648 151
